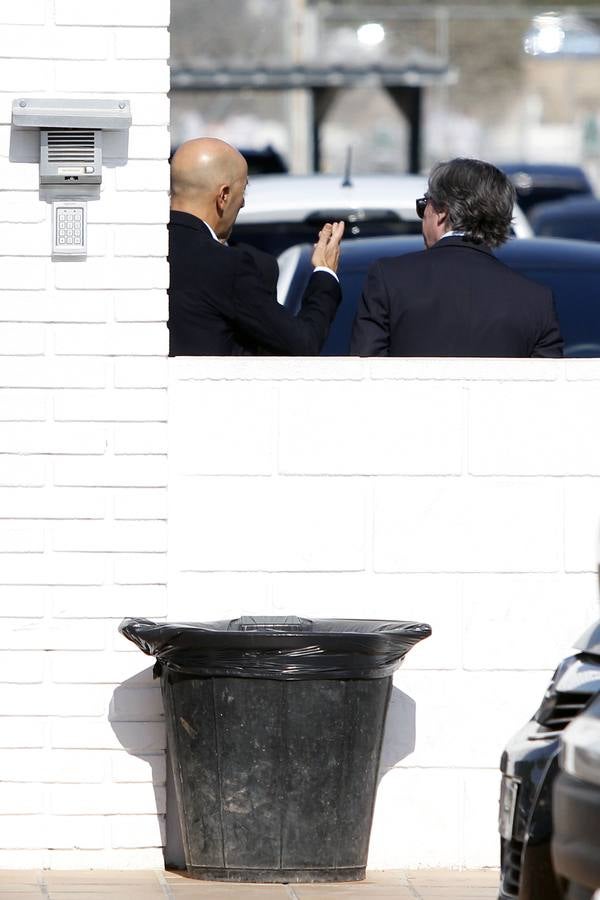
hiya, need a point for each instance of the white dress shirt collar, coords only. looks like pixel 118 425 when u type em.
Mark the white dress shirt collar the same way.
pixel 211 231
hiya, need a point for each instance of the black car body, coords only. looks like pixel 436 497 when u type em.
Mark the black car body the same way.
pixel 576 807
pixel 543 182
pixel 529 767
pixel 570 268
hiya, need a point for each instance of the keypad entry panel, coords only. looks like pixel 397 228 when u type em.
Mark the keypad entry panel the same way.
pixel 69 228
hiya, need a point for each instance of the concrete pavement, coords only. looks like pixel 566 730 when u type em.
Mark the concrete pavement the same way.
pixel 426 884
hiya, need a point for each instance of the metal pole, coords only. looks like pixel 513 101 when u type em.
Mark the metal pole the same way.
pixel 300 111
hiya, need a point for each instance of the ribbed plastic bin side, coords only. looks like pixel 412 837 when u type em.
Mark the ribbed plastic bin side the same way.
pixel 274 734
pixel 275 779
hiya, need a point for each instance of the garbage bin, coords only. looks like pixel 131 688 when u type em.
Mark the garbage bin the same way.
pixel 274 732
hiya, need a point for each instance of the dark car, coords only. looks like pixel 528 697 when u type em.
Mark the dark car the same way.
pixel 576 807
pixel 264 160
pixel 543 182
pixel 570 268
pixel 529 767
pixel 575 217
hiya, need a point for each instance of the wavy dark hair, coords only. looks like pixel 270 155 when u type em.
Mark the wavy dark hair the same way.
pixel 478 197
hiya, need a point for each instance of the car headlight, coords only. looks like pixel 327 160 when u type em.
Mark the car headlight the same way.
pixel 509 791
pixel 580 748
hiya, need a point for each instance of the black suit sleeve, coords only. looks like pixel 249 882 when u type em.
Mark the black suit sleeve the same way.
pixel 261 318
pixel 550 342
pixel 371 329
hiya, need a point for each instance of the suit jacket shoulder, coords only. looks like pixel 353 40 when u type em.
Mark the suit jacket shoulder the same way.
pixel 455 299
pixel 223 300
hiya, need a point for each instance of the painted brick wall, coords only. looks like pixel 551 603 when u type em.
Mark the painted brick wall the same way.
pixel 463 493
pixel 458 492
pixel 83 413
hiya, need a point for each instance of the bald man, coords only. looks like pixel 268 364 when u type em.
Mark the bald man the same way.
pixel 223 300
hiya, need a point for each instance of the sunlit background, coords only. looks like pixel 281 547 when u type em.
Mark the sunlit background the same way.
pixel 504 83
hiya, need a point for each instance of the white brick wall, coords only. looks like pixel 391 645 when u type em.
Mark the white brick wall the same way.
pixel 463 493
pixel 83 377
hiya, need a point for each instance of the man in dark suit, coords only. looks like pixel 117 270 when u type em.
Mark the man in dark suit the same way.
pixel 222 300
pixel 456 298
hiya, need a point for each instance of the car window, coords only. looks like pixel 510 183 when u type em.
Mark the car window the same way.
pixel 275 237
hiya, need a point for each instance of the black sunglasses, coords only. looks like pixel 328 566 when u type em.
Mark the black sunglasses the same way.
pixel 420 205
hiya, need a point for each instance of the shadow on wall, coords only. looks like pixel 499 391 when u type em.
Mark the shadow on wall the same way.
pixel 137 718
pixel 399 734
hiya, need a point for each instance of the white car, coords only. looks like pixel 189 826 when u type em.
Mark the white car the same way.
pixel 283 210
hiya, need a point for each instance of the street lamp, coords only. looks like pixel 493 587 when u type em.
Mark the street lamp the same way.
pixel 371 34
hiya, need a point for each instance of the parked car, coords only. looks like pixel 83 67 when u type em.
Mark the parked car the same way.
pixel 570 268
pixel 529 767
pixel 283 210
pixel 543 182
pixel 576 807
pixel 263 161
pixel 573 217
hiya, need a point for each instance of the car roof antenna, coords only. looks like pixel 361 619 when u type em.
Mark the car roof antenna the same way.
pixel 347 182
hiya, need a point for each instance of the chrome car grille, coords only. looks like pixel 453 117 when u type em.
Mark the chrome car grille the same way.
pixel 511 867
pixel 556 712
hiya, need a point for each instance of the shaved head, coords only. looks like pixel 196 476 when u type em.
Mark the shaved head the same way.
pixel 208 179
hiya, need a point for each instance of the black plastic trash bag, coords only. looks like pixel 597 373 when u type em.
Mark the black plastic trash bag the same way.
pixel 285 647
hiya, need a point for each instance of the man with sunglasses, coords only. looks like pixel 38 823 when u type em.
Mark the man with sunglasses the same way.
pixel 456 298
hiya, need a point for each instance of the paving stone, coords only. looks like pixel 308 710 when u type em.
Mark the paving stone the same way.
pixel 19 895
pixel 424 884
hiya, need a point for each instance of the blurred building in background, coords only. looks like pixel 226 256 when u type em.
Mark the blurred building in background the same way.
pixel 500 82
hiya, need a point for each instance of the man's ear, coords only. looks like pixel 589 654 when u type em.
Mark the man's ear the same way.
pixel 223 197
pixel 441 216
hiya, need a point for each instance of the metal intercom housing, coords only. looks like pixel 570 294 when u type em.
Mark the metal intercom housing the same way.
pixel 70 156
pixel 70 136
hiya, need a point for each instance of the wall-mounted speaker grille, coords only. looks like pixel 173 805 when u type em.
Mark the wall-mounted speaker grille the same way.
pixel 70 156
pixel 71 146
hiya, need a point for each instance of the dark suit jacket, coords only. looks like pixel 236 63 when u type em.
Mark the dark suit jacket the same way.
pixel 455 299
pixel 223 300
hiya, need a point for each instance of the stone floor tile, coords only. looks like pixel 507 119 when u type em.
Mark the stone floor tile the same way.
pixel 113 891
pixel 159 885
pixel 96 876
pixel 458 893
pixel 16 890
pixel 445 876
pixel 124 890
pixel 9 894
pixel 376 885
pixel 354 892
pixel 17 879
pixel 210 890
